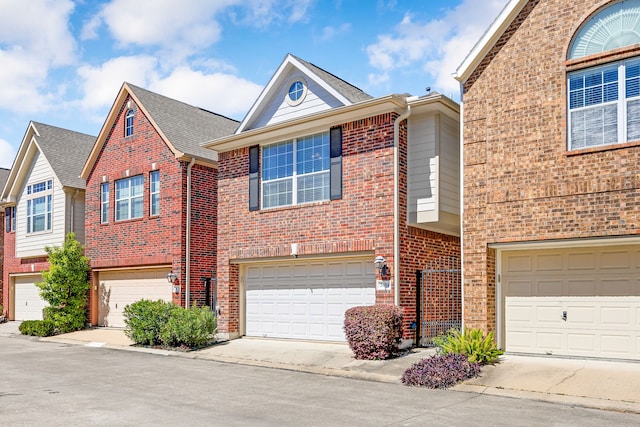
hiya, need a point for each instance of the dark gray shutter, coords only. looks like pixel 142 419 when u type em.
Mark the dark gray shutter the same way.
pixel 335 168
pixel 254 188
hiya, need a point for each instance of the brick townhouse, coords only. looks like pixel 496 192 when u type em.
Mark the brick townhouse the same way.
pixel 43 200
pixel 551 218
pixel 318 180
pixel 151 208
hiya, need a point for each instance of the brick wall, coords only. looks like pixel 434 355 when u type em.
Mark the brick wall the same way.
pixel 520 183
pixel 157 240
pixel 13 265
pixel 2 292
pixel 361 221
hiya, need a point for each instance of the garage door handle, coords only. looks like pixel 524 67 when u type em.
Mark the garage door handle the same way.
pixel 564 316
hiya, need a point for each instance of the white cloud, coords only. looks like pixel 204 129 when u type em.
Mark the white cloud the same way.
pixel 221 93
pixel 7 155
pixel 34 39
pixel 180 29
pixel 439 45
pixel 100 85
pixel 329 32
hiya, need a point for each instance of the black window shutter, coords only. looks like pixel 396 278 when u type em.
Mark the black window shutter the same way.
pixel 335 168
pixel 7 219
pixel 254 188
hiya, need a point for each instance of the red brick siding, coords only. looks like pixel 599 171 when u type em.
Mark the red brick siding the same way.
pixel 520 183
pixel 361 221
pixel 13 265
pixel 158 240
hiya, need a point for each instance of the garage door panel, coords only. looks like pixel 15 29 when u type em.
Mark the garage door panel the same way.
pixel 121 288
pixel 27 302
pixel 581 261
pixel 317 294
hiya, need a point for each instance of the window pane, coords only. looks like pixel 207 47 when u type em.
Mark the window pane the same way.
pixel 313 188
pixel 136 207
pixel 277 161
pixel 313 153
pixel 633 120
pixel 277 193
pixel 122 189
pixel 122 210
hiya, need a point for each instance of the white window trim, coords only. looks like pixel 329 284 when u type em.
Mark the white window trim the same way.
pixel 132 114
pixel 294 177
pixel 104 204
pixel 129 198
pixel 47 194
pixel 152 193
pixel 621 103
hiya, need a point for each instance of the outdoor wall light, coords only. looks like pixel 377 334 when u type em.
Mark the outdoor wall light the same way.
pixel 381 265
pixel 171 277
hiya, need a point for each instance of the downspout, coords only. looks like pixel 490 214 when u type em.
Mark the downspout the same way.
pixel 396 205
pixel 75 193
pixel 187 281
pixel 462 204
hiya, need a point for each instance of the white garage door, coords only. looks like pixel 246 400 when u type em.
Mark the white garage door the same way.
pixel 306 300
pixel 28 304
pixel 573 302
pixel 120 288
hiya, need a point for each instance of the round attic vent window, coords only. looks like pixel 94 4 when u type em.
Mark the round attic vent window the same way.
pixel 297 92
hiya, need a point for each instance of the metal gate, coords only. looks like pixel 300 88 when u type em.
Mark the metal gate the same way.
pixel 439 299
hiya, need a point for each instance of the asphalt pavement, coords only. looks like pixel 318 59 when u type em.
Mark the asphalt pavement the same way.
pixel 598 384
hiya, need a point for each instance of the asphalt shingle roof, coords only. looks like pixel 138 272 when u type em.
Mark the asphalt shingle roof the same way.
pixel 346 89
pixel 4 175
pixel 66 150
pixel 185 126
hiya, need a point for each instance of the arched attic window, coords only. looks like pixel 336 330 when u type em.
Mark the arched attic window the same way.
pixel 128 123
pixel 604 101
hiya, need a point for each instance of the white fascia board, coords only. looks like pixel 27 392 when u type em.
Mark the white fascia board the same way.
pixel 488 39
pixel 309 124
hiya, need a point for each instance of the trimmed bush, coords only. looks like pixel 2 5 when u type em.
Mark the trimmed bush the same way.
pixel 472 343
pixel 440 371
pixel 144 319
pixel 38 328
pixel 191 328
pixel 373 332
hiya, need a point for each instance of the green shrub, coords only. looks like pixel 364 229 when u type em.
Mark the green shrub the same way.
pixel 440 371
pixel 373 332
pixel 472 343
pixel 190 328
pixel 38 328
pixel 144 320
pixel 65 318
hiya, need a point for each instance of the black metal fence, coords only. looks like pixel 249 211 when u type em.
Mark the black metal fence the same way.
pixel 439 299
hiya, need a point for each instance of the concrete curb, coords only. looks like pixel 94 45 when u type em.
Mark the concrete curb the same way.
pixel 585 402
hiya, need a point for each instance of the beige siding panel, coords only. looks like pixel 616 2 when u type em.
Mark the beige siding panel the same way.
pixel 121 288
pixel 422 164
pixel 449 166
pixel 78 216
pixel 28 245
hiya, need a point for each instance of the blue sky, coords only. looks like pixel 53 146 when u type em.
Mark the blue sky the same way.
pixel 62 62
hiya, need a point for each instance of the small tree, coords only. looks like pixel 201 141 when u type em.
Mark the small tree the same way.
pixel 65 286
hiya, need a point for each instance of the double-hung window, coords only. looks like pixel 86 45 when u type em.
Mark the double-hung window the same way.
pixel 604 105
pixel 39 200
pixel 296 171
pixel 603 101
pixel 154 193
pixel 128 200
pixel 10 219
pixel 104 202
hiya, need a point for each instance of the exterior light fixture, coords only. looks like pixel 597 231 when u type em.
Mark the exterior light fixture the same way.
pixel 171 277
pixel 381 265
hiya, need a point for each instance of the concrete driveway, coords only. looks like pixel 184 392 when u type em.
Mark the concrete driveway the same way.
pixel 590 383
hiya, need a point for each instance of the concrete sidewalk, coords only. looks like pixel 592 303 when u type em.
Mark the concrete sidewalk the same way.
pixel 588 383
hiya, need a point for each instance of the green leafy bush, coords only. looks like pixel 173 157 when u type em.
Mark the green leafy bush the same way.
pixel 166 324
pixel 191 328
pixel 440 371
pixel 373 332
pixel 65 286
pixel 472 343
pixel 144 320
pixel 38 328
